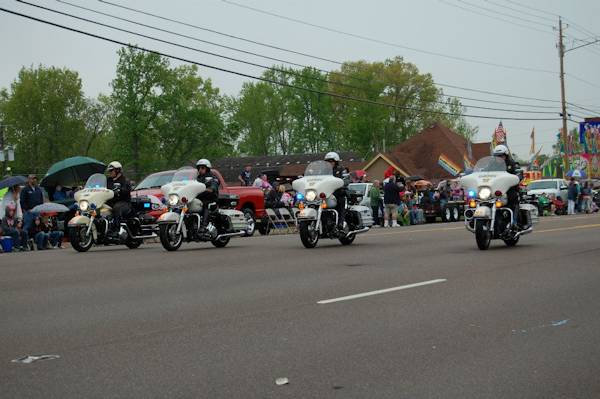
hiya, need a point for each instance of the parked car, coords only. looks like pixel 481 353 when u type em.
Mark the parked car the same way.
pixel 364 189
pixel 556 187
pixel 250 200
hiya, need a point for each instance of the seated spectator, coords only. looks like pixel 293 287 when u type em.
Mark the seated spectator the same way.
pixel 55 236
pixel 13 227
pixel 59 194
pixel 559 206
pixel 38 232
pixel 403 212
pixel 284 197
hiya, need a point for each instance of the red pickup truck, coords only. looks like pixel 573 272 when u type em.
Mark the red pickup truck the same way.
pixel 251 199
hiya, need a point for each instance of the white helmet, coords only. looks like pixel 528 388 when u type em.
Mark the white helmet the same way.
pixel 332 156
pixel 500 150
pixel 114 165
pixel 203 162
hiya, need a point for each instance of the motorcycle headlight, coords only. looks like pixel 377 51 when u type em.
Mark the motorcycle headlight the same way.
pixel 173 199
pixel 311 195
pixel 84 205
pixel 485 193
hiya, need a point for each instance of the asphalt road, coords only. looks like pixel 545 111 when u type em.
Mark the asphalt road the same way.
pixel 204 322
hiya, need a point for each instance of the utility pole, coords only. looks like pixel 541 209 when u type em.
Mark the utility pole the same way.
pixel 563 100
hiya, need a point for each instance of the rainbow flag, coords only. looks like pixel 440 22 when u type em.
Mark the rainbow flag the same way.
pixel 448 165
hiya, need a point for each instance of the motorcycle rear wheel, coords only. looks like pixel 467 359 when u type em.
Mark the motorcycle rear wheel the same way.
pixel 170 240
pixel 133 244
pixel 483 235
pixel 309 237
pixel 347 240
pixel 511 242
pixel 220 242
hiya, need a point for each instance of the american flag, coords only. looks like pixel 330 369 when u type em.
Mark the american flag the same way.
pixel 500 134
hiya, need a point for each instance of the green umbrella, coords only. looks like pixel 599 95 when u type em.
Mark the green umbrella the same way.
pixel 72 171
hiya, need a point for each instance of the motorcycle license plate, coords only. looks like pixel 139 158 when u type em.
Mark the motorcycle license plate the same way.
pixel 480 212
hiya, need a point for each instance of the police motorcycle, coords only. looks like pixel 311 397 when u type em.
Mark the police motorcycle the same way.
pixel 317 216
pixel 487 214
pixel 183 221
pixel 94 224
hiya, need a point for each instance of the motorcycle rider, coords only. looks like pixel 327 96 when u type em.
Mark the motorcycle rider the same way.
pixel 340 194
pixel 121 202
pixel 211 194
pixel 513 168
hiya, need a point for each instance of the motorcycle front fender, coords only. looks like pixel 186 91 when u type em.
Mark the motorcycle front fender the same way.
pixel 482 212
pixel 79 221
pixel 168 217
pixel 307 214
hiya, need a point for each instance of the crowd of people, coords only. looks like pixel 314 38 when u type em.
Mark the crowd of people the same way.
pixel 26 229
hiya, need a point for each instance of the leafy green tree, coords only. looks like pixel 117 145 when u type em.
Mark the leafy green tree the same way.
pixel 135 98
pixel 44 111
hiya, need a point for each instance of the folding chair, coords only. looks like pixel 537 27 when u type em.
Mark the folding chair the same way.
pixel 290 219
pixel 275 221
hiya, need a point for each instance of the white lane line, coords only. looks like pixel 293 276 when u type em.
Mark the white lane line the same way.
pixel 384 291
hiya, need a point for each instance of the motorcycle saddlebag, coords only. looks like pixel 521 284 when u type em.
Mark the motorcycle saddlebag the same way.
pixel 236 218
pixel 364 212
pixel 531 211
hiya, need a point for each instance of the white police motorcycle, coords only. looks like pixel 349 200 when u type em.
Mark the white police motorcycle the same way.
pixel 317 215
pixel 94 222
pixel 487 214
pixel 183 221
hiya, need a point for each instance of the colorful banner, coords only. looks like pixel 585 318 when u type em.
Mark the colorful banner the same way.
pixel 589 137
pixel 448 165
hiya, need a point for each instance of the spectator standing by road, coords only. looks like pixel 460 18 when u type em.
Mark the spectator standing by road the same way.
pixel 31 196
pixel 12 197
pixel 572 195
pixel 375 200
pixel 391 199
pixel 586 198
pixel 245 176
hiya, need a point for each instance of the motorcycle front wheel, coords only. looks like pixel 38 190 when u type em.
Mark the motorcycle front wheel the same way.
pixel 80 240
pixel 483 235
pixel 169 238
pixel 308 235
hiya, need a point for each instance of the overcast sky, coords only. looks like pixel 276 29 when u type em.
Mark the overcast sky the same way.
pixel 430 25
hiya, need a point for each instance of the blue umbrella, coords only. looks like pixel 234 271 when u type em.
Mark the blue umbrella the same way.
pixel 577 173
pixel 13 181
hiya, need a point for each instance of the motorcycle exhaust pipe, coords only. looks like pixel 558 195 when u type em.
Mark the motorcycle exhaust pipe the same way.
pixel 523 232
pixel 363 230
pixel 239 233
pixel 153 235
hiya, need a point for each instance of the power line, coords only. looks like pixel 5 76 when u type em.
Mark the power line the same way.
pixel 520 11
pixel 284 71
pixel 584 109
pixel 387 43
pixel 505 14
pixel 242 74
pixel 494 17
pixel 183 23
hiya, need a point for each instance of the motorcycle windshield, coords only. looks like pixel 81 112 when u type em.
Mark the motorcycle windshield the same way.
pixel 490 164
pixel 97 180
pixel 185 175
pixel 319 168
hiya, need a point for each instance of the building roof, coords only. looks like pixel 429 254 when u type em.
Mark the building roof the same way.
pixel 419 155
pixel 281 165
